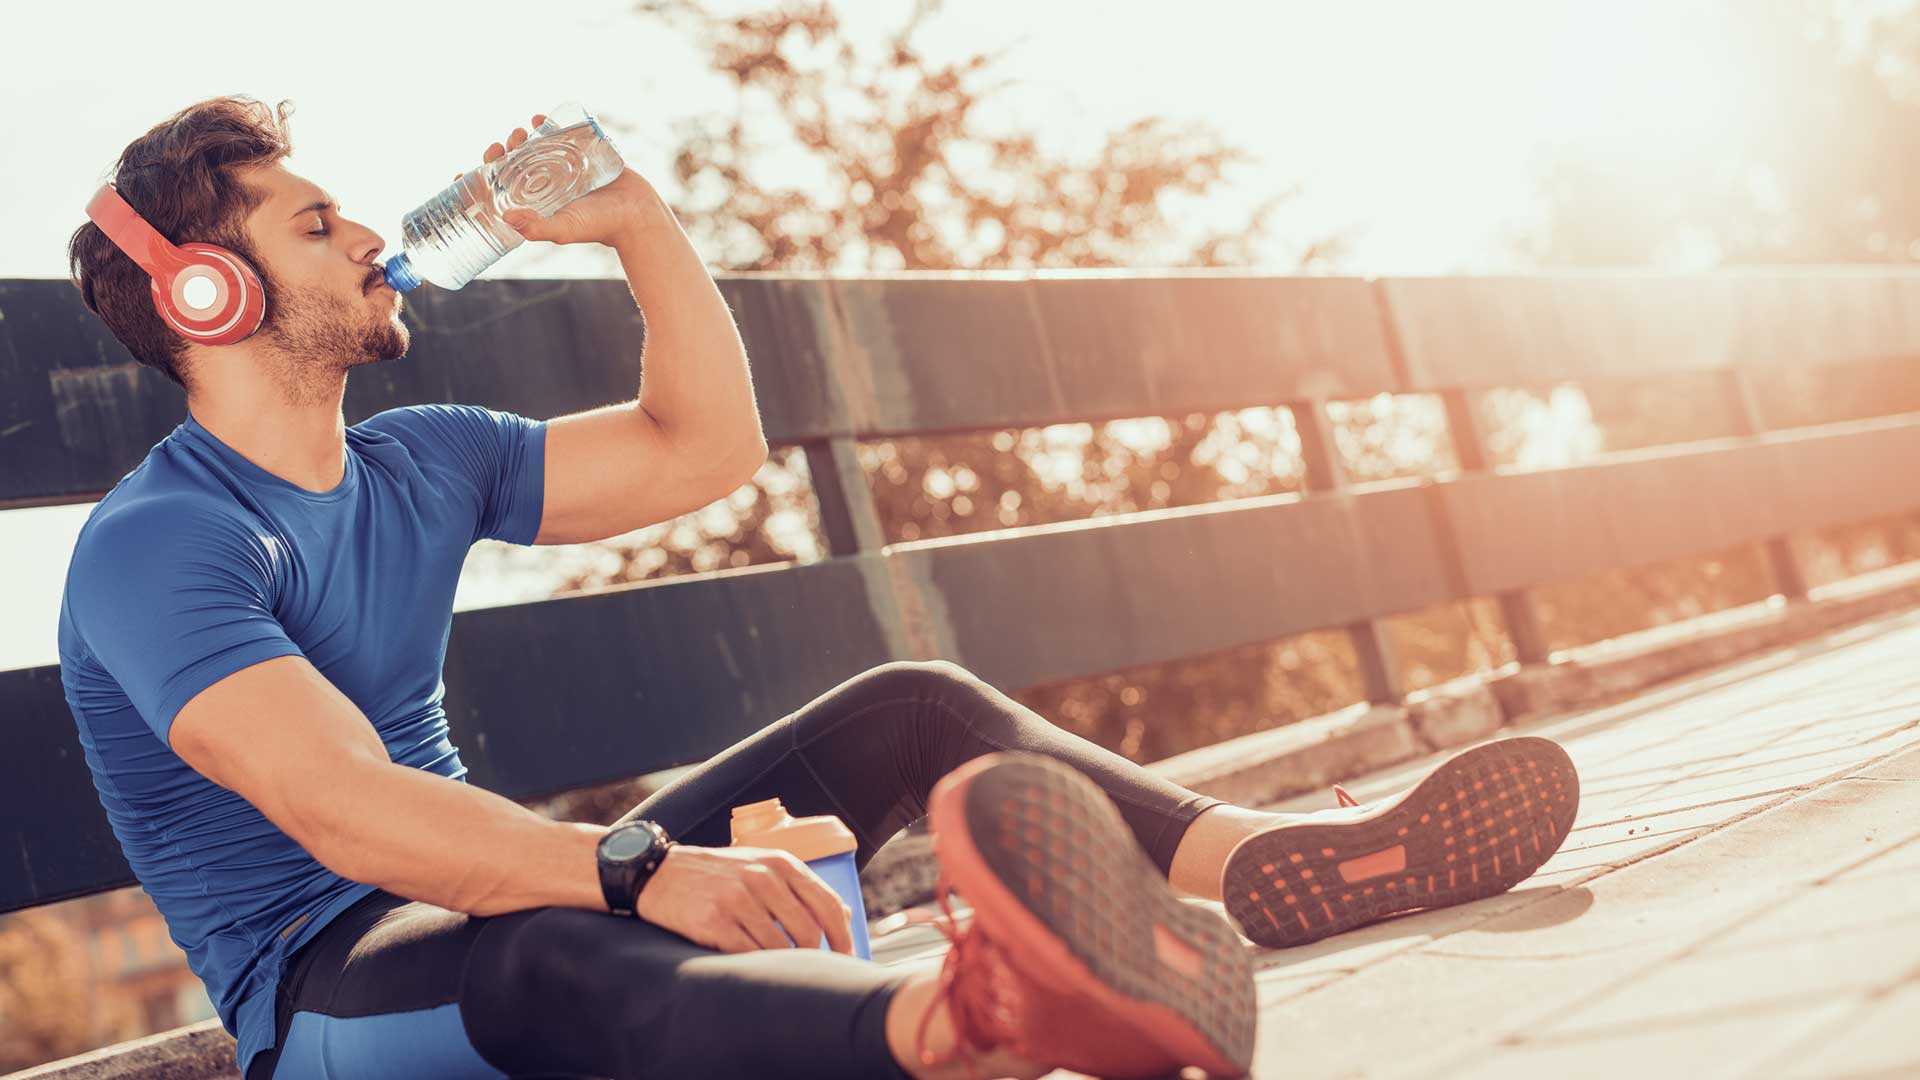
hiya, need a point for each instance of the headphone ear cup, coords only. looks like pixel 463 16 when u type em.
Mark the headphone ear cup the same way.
pixel 238 300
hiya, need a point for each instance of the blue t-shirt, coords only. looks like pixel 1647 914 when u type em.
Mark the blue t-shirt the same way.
pixel 200 563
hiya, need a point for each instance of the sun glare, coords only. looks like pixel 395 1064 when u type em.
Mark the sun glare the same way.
pixel 1638 79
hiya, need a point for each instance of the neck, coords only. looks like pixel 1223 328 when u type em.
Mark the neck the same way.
pixel 300 437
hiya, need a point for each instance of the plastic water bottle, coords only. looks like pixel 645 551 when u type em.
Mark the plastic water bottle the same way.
pixel 823 842
pixel 453 236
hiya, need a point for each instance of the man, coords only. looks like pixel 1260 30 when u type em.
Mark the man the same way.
pixel 251 643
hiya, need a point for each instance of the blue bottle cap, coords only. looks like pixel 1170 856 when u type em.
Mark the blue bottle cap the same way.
pixel 400 275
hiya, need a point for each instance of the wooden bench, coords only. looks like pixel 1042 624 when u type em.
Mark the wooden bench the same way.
pixel 548 696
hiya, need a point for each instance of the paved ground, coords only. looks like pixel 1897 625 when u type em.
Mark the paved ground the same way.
pixel 1740 897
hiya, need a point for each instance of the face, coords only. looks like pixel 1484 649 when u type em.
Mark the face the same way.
pixel 328 308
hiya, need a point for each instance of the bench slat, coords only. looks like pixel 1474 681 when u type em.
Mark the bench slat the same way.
pixel 1521 529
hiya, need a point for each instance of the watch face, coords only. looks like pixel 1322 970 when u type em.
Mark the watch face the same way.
pixel 628 843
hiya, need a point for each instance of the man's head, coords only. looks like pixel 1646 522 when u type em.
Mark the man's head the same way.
pixel 213 172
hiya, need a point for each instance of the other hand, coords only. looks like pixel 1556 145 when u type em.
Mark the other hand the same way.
pixel 601 216
pixel 729 899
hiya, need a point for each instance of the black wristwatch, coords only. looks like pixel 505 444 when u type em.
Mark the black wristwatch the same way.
pixel 629 854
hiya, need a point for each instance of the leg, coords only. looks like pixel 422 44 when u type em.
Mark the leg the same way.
pixel 561 990
pixel 870 750
pixel 393 987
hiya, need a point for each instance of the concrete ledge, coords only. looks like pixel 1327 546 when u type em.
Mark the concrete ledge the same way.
pixel 1269 766
pixel 1312 753
pixel 185 1053
pixel 1621 667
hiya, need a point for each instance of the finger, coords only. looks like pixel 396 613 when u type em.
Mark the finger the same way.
pixel 786 906
pixel 538 119
pixel 759 925
pixel 830 913
pixel 514 140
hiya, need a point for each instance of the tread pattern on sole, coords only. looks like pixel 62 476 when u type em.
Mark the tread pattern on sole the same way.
pixel 1059 845
pixel 1477 825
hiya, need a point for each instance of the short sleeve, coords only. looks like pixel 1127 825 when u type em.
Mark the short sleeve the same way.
pixel 503 454
pixel 171 599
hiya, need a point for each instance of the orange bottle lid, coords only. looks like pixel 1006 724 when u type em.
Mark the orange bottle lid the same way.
pixel 767 824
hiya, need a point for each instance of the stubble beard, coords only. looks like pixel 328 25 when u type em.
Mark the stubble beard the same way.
pixel 316 340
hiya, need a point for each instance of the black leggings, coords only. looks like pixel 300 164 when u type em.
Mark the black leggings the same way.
pixel 393 987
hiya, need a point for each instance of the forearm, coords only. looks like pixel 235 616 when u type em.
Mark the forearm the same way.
pixel 426 837
pixel 695 381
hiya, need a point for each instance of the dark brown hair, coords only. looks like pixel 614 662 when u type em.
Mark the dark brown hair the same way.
pixel 180 176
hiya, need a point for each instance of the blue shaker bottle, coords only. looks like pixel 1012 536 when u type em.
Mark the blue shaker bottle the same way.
pixel 822 842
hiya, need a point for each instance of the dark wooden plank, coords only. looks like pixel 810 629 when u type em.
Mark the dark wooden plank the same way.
pixel 54 839
pixel 1841 473
pixel 1061 602
pixel 541 698
pixel 76 412
pixel 1498 331
pixel 1522 529
pixel 562 693
pixel 953 354
pixel 1173 343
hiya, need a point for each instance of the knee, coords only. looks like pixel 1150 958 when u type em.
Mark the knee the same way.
pixel 540 953
pixel 914 674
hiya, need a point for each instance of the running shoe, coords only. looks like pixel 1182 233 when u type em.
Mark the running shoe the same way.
pixel 1078 954
pixel 1480 823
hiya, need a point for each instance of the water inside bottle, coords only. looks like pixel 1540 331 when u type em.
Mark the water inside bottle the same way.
pixel 458 233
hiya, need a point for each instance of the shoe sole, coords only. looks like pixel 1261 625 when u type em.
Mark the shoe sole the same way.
pixel 1480 823
pixel 1041 853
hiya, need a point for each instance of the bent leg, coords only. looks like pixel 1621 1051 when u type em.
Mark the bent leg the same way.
pixel 870 750
pixel 571 991
pixel 376 993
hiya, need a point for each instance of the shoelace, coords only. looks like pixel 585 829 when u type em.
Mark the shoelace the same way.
pixel 980 1019
pixel 1345 799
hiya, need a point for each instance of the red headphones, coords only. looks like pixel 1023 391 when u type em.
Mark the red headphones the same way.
pixel 206 292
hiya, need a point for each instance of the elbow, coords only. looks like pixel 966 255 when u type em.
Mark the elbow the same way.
pixel 749 461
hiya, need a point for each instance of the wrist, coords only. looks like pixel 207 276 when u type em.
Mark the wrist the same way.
pixel 647 890
pixel 649 216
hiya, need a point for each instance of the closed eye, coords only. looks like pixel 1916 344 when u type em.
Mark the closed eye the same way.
pixel 322 232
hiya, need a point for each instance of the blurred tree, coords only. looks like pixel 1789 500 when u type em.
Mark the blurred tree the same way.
pixel 912 182
pixel 48 1007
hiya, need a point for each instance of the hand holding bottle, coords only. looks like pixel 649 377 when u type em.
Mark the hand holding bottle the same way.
pixel 601 216
pixel 566 168
pixel 739 899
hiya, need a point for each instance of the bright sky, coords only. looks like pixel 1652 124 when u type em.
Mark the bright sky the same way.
pixel 1418 125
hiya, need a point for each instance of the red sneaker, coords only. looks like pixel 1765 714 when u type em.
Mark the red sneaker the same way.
pixel 1079 955
pixel 1480 823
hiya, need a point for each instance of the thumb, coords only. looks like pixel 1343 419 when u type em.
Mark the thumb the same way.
pixel 526 223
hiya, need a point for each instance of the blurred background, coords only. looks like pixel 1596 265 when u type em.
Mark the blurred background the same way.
pixel 1370 137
